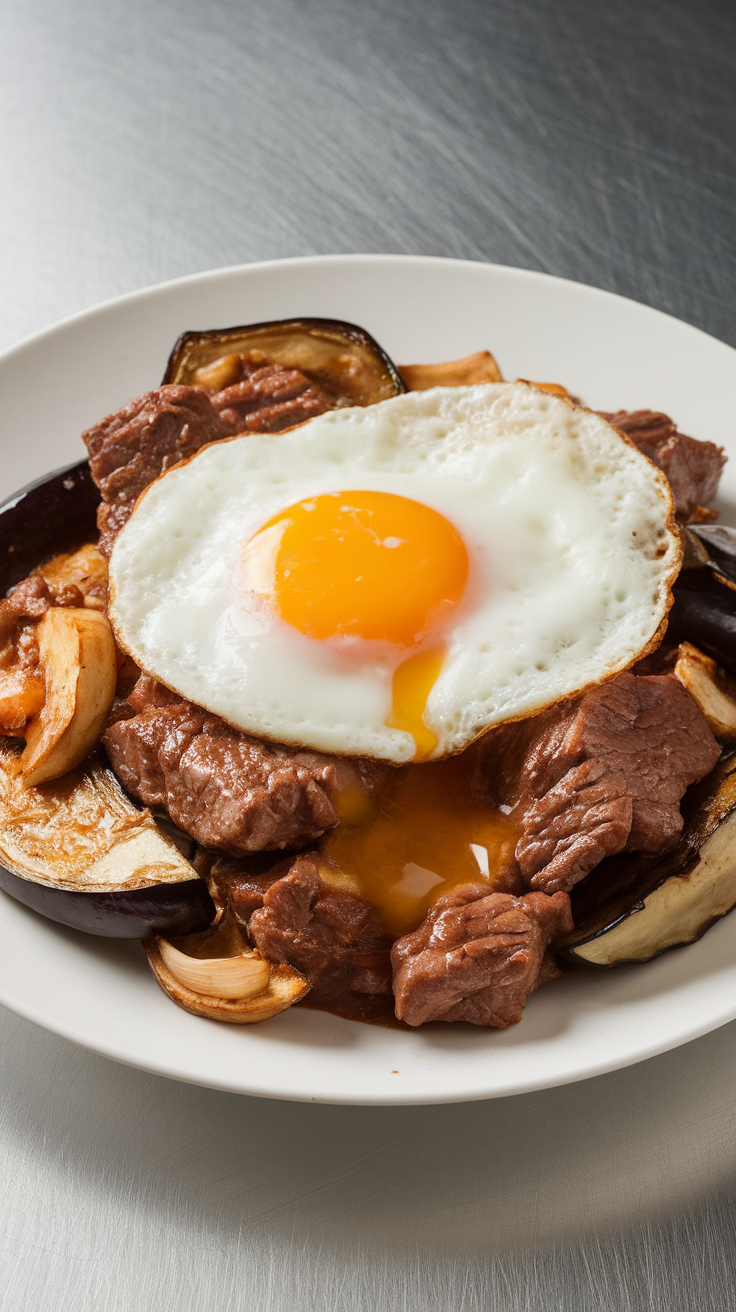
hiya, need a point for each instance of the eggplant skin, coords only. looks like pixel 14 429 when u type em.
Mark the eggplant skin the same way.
pixel 56 513
pixel 314 346
pixel 704 614
pixel 176 908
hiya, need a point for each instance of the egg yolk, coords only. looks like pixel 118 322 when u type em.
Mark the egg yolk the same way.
pixel 367 564
pixel 419 835
pixel 413 681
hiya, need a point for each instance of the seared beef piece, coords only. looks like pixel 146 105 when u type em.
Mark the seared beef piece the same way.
pixel 477 956
pixel 30 599
pixel 148 695
pixel 269 399
pixel 128 450
pixel 334 939
pixel 693 468
pixel 228 790
pixel 601 775
pixel 241 882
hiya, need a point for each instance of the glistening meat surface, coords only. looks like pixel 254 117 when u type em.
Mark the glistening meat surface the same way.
pixel 693 467
pixel 268 399
pixel 228 790
pixel 334 939
pixel 603 775
pixel 131 448
pixel 477 956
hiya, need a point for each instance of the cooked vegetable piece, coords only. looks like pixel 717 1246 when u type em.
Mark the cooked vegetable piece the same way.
pixel 633 908
pixel 78 659
pixel 719 546
pixel 714 692
pixel 479 368
pixel 704 608
pixel 218 975
pixel 340 359
pixel 55 514
pixel 22 694
pixel 80 852
pixel 554 389
pixel 85 569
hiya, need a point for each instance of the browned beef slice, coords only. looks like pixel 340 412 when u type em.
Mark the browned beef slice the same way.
pixel 228 790
pixel 693 468
pixel 131 448
pixel 268 399
pixel 31 598
pixel 334 939
pixel 604 774
pixel 241 882
pixel 477 956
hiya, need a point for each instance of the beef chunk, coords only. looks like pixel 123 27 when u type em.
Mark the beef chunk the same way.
pixel 128 450
pixel 241 882
pixel 693 468
pixel 269 399
pixel 477 956
pixel 601 775
pixel 227 790
pixel 31 598
pixel 334 939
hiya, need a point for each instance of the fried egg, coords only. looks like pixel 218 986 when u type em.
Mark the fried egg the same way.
pixel 391 581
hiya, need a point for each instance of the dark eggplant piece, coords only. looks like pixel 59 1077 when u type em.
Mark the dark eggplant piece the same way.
pixel 342 360
pixel 632 908
pixel 704 605
pixel 81 853
pixel 77 849
pixel 54 514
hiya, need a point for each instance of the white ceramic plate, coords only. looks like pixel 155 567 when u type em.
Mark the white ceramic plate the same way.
pixel 611 352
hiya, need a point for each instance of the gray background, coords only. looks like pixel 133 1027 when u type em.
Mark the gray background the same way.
pixel 143 141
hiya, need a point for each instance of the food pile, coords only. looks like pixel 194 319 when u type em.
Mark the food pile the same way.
pixel 393 691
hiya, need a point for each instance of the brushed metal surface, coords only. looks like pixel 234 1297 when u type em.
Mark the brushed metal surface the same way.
pixel 142 141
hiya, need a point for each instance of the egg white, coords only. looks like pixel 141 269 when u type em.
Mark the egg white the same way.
pixel 568 527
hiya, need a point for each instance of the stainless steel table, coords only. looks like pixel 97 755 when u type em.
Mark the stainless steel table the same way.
pixel 144 141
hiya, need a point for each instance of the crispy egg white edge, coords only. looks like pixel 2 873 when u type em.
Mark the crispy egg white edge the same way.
pixel 444 412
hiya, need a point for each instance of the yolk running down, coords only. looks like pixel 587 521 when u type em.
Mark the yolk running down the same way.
pixel 368 565
pixel 421 834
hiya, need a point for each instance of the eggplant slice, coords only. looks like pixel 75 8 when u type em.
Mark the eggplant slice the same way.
pixel 77 850
pixel 54 514
pixel 343 360
pixel 80 852
pixel 632 908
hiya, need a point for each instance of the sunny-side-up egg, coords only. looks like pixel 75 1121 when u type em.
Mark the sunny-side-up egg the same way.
pixel 391 582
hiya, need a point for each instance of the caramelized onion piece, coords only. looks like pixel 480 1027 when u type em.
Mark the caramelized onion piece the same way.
pixel 78 659
pixel 479 368
pixel 218 975
pixel 710 687
pixel 242 976
pixel 85 568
